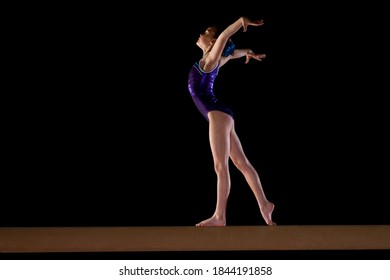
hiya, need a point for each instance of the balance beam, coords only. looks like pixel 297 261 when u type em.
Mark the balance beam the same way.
pixel 191 238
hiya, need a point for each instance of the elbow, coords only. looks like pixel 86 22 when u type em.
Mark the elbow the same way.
pixel 225 35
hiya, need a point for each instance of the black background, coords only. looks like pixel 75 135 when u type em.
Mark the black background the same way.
pixel 101 129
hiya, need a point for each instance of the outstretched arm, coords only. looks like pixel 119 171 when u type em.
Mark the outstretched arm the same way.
pixel 222 39
pixel 238 53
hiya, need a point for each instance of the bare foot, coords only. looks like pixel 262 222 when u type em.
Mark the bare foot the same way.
pixel 266 211
pixel 212 222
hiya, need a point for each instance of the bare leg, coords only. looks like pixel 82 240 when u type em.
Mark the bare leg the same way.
pixel 219 132
pixel 240 160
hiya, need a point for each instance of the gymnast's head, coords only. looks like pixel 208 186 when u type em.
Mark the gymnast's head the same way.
pixel 207 39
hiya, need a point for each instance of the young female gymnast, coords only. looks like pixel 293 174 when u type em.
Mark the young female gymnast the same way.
pixel 224 142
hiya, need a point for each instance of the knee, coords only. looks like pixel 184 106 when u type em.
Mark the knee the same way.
pixel 241 164
pixel 220 167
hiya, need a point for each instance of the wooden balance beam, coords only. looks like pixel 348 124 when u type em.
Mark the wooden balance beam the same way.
pixel 191 238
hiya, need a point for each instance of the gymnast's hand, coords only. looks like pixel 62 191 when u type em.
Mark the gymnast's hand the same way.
pixel 258 57
pixel 246 22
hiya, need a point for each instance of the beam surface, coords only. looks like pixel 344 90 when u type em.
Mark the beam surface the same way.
pixel 191 238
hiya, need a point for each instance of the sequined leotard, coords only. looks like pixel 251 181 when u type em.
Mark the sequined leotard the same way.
pixel 200 85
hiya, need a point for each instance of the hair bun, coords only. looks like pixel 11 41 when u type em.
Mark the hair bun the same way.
pixel 229 48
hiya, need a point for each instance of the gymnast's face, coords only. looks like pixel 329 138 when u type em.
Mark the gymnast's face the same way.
pixel 207 38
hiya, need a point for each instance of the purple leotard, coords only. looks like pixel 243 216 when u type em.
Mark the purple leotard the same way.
pixel 200 85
